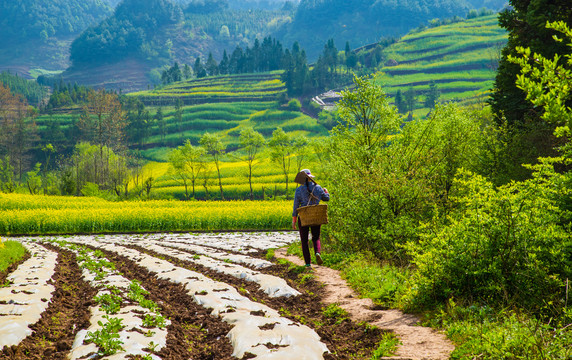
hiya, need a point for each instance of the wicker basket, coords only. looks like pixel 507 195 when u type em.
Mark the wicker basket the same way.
pixel 313 215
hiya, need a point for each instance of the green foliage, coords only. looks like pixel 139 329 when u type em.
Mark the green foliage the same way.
pixel 548 83
pixel 31 19
pixel 31 90
pixel 501 246
pixel 526 25
pixel 386 347
pixel 382 283
pixel 110 303
pixel 387 179
pixel 485 333
pixel 154 321
pixel 127 33
pixel 294 105
pixel 317 21
pixel 335 313
pixel 107 338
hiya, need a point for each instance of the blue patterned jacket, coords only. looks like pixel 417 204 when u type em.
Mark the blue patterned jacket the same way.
pixel 302 196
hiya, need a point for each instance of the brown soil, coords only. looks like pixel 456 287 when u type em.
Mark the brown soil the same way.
pixel 417 342
pixel 193 333
pixel 67 313
pixel 339 334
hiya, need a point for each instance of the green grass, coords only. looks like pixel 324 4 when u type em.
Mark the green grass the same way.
pixel 10 252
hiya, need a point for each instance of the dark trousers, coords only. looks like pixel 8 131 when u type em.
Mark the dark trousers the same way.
pixel 304 234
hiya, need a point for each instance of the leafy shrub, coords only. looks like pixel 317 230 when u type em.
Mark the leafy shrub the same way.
pixel 294 105
pixel 483 333
pixel 499 246
pixel 391 176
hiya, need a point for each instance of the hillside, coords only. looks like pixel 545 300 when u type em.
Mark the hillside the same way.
pixel 460 58
pixel 223 105
pixel 361 21
pixel 156 33
pixel 37 34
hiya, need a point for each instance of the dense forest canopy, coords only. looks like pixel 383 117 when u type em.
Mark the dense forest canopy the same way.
pixel 35 19
pixel 161 32
pixel 362 21
pixel 127 33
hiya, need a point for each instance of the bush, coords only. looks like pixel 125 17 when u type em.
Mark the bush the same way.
pixel 388 178
pixel 294 105
pixel 500 246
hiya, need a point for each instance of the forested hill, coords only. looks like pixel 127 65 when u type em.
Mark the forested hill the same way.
pixel 129 32
pixel 35 35
pixel 143 37
pixel 362 21
pixel 25 20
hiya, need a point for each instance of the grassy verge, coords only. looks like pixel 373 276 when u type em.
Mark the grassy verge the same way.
pixel 477 330
pixel 10 252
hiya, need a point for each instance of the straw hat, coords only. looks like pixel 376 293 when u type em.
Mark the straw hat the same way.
pixel 302 176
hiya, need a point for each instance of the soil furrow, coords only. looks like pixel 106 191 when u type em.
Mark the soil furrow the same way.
pixel 193 333
pixel 67 313
pixel 339 334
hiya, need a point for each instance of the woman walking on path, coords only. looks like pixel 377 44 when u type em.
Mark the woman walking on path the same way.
pixel 309 193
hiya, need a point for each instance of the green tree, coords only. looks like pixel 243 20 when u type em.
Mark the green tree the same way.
pixel 400 103
pixel 367 119
pixel 161 123
pixel 281 152
pixel 34 179
pixel 548 83
pixel 525 22
pixel 211 65
pixel 7 183
pixel 410 99
pixel 199 69
pixel 18 130
pixel 251 142
pixel 432 95
pixel 102 123
pixel 215 148
pixel 186 162
pixel 301 149
pixel 48 150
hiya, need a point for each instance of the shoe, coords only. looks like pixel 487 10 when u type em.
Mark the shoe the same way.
pixel 308 265
pixel 319 260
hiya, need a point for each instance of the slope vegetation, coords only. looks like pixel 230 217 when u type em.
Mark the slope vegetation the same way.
pixel 223 105
pixel 459 58
pixel 361 21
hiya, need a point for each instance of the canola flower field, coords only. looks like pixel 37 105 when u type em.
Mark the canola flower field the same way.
pixel 27 214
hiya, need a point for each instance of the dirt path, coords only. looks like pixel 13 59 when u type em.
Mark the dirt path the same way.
pixel 418 343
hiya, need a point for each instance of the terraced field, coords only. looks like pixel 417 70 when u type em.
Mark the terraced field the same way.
pixel 460 58
pixel 228 88
pixel 223 105
pixel 171 296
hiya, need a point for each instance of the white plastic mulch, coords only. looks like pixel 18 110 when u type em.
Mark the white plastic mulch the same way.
pixel 257 328
pixel 132 336
pixel 27 296
pixel 271 285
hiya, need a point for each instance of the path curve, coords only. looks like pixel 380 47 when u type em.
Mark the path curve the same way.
pixel 417 342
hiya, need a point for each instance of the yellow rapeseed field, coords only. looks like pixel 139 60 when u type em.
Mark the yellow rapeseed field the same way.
pixel 27 214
